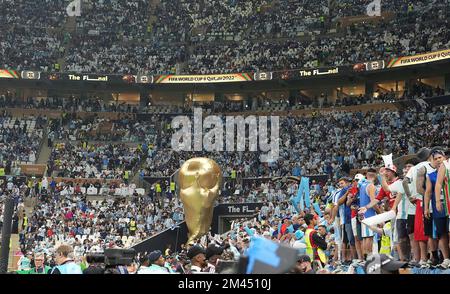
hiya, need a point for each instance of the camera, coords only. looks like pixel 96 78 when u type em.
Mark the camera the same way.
pixel 115 257
pixel 112 261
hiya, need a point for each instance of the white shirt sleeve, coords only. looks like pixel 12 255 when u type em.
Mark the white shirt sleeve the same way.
pixel 410 173
pixel 397 187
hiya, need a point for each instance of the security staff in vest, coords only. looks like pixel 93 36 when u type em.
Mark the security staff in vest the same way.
pixel 158 190
pixel 66 265
pixel 132 226
pixel 25 222
pixel 315 244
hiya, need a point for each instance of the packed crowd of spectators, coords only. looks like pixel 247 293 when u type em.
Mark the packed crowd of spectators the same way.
pixel 332 144
pixel 400 37
pixel 359 7
pixel 108 44
pixel 70 104
pixel 29 39
pixel 22 48
pixel 83 160
pixel 94 226
pixel 108 53
pixel 125 129
pixel 32 14
pixel 126 18
pixel 89 228
pixel 20 139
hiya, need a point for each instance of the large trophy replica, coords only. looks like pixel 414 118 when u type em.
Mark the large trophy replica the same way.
pixel 199 180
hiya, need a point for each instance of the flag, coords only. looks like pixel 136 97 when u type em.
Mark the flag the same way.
pixel 299 234
pixel 290 229
pixel 303 196
pixel 249 232
pixel 305 186
pixel 268 257
pixel 388 163
pixel 317 209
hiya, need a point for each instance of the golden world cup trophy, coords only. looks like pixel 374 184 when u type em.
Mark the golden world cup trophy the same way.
pixel 199 180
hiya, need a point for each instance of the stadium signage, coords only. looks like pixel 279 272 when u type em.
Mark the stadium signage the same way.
pixel 237 209
pixel 88 78
pixel 419 59
pixel 263 76
pixel 370 66
pixel 8 74
pixel 245 209
pixel 319 72
pixel 201 79
pixel 30 75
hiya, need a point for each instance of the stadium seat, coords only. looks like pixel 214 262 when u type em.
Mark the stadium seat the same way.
pixel 125 192
pixel 140 191
pixel 92 191
pixel 104 191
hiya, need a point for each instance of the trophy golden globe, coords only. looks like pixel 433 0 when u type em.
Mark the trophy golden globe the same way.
pixel 199 180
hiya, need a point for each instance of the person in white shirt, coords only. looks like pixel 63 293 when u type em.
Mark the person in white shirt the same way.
pixel 409 186
pixel 401 205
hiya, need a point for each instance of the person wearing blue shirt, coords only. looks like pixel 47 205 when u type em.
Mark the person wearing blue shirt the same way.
pixel 344 212
pixel 439 217
pixel 367 194
pixel 66 265
pixel 296 171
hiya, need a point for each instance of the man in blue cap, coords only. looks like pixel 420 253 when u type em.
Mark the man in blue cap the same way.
pixel 156 262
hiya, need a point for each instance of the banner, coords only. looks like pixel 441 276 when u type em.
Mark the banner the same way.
pixel 370 66
pixel 306 73
pixel 8 74
pixel 262 76
pixel 144 79
pixel 419 59
pixel 33 169
pixel 202 79
pixel 319 72
pixel 30 75
pixel 89 78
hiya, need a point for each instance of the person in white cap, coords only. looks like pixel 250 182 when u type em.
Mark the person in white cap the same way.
pixel 391 186
pixel 353 200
